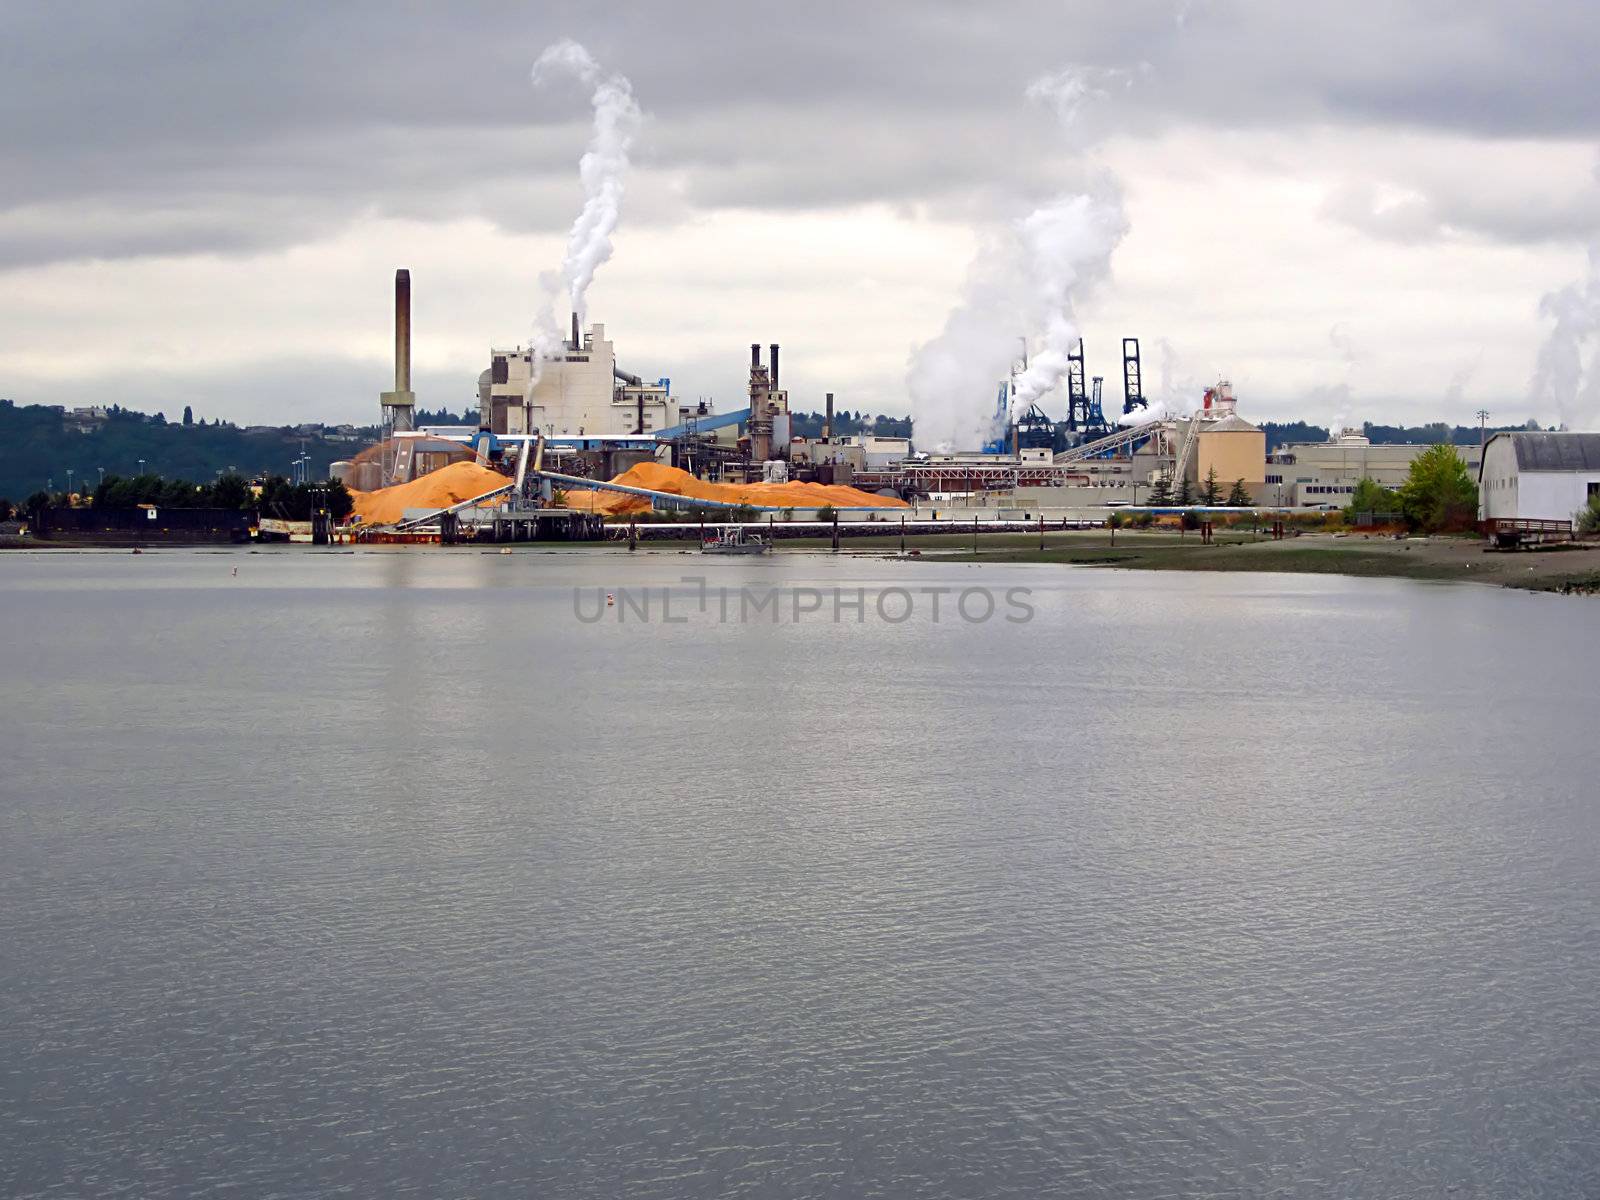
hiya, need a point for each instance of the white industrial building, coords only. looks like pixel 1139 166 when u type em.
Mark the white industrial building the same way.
pixel 1325 474
pixel 1533 476
pixel 881 452
pixel 580 391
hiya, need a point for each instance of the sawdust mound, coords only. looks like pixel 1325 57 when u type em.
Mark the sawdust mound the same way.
pixel 438 489
pixel 660 478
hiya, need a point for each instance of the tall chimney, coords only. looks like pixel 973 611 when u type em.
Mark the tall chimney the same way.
pixel 576 344
pixel 827 421
pixel 755 355
pixel 774 366
pixel 402 330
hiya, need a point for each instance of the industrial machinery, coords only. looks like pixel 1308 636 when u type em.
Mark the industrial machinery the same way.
pixel 1035 430
pixel 1132 378
pixel 1085 420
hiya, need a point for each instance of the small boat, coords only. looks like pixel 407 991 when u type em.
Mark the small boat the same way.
pixel 734 540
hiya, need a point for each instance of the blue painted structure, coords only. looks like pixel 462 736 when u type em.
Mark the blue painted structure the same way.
pixel 1002 422
pixel 706 424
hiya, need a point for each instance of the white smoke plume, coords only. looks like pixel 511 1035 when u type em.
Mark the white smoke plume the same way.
pixel 1068 244
pixel 1021 283
pixel 602 168
pixel 1174 394
pixel 1071 91
pixel 1338 398
pixel 1566 379
pixel 601 171
pixel 547 332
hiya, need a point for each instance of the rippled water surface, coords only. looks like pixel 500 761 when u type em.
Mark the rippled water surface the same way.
pixel 383 874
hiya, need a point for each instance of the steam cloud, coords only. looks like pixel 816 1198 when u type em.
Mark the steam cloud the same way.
pixel 1567 375
pixel 601 170
pixel 1021 283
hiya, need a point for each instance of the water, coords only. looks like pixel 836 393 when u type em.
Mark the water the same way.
pixel 385 875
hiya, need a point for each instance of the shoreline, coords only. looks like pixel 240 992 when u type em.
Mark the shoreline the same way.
pixel 1566 568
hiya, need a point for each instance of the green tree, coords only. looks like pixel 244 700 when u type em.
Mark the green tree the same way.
pixel 340 503
pixel 36 504
pixel 7 509
pixel 188 415
pixel 1238 495
pixel 1160 492
pixel 1438 495
pixel 1211 490
pixel 825 513
pixel 1372 496
pixel 295 501
pixel 1588 519
pixel 230 491
pixel 1185 494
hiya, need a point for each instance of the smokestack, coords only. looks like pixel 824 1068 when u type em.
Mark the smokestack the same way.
pixel 402 330
pixel 827 421
pixel 576 344
pixel 774 366
pixel 755 355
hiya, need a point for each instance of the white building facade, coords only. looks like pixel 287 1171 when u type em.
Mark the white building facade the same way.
pixel 1533 476
pixel 580 391
pixel 1325 474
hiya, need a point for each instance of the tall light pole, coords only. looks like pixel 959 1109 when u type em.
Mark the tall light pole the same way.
pixel 69 481
pixel 141 466
pixel 1483 428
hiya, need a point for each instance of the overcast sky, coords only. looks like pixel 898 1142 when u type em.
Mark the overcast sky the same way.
pixel 1353 211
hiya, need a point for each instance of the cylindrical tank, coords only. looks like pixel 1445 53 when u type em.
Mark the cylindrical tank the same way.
pixel 364 476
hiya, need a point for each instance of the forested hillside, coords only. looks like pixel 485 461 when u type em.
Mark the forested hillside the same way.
pixel 39 445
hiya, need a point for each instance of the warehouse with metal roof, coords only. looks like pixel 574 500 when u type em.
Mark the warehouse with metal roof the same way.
pixel 1535 476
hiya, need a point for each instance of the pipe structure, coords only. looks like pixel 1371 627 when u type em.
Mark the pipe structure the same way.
pixel 399 406
pixel 827 420
pixel 774 366
pixel 402 330
pixel 577 343
pixel 755 355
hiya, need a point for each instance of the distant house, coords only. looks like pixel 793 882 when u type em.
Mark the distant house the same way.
pixel 1538 476
pixel 86 420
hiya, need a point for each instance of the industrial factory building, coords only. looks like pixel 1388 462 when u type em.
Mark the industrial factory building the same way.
pixel 581 390
pixel 595 421
pixel 1325 474
pixel 1531 476
pixel 1226 446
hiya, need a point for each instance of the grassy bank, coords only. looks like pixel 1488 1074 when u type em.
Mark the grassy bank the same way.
pixel 1574 568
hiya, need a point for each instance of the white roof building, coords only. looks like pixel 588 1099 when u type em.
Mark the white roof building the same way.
pixel 1538 476
pixel 882 451
pixel 580 390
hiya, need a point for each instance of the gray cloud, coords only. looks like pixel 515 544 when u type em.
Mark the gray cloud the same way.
pixel 172 127
pixel 1518 210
